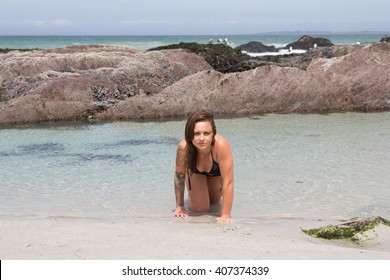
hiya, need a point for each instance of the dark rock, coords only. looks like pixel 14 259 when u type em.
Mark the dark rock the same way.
pixel 256 47
pixel 385 39
pixel 307 42
pixel 220 56
pixel 248 65
pixel 225 59
pixel 7 50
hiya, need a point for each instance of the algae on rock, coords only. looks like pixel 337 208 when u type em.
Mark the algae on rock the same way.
pixel 348 230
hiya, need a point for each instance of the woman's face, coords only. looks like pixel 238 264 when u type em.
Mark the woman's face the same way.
pixel 203 135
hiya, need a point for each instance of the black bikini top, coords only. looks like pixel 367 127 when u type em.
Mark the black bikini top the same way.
pixel 214 172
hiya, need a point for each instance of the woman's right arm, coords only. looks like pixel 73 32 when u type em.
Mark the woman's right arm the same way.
pixel 180 179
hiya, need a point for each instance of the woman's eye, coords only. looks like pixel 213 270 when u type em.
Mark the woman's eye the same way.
pixel 200 133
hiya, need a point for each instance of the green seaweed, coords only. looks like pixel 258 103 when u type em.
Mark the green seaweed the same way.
pixel 7 50
pixel 348 230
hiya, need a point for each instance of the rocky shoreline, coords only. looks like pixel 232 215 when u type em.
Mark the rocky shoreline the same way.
pixel 105 82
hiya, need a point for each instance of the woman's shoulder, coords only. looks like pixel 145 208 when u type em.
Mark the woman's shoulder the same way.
pixel 181 146
pixel 220 140
pixel 221 143
pixel 182 143
pixel 222 148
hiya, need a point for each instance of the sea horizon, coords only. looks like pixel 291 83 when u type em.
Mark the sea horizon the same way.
pixel 144 42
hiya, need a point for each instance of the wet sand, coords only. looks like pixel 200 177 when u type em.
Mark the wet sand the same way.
pixel 272 238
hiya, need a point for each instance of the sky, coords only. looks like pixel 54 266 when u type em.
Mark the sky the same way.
pixel 195 17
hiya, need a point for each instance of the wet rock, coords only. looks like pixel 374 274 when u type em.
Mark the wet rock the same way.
pixel 65 83
pixel 7 50
pixel 225 59
pixel 256 47
pixel 358 81
pixel 307 42
pixel 113 82
pixel 220 56
pixel 385 39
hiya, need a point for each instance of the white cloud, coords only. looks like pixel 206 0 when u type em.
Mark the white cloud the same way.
pixel 45 23
pixel 224 22
pixel 145 21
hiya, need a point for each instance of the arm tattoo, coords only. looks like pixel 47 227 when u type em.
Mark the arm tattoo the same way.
pixel 179 180
pixel 179 175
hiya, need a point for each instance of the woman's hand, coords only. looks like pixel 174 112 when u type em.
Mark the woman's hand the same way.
pixel 180 212
pixel 224 219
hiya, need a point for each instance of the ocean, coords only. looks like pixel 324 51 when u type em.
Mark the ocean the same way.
pixel 304 166
pixel 147 42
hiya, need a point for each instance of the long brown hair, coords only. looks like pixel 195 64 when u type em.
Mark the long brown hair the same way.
pixel 192 152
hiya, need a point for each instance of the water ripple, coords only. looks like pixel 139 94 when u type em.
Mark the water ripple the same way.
pixel 141 142
pixel 103 157
pixel 49 147
pixel 58 151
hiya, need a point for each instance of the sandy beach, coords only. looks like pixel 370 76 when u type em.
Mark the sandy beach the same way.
pixel 272 238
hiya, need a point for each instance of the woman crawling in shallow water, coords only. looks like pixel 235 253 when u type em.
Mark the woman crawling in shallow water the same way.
pixel 204 161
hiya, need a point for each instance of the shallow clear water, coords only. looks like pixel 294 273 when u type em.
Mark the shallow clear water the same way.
pixel 309 166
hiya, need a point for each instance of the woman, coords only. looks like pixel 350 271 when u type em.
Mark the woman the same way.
pixel 205 161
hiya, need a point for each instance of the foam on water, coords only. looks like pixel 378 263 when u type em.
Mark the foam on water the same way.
pixel 280 52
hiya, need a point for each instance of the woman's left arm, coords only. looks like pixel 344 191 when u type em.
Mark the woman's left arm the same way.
pixel 226 166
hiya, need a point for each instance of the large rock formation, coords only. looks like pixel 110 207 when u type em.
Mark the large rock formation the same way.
pixel 225 59
pixel 109 82
pixel 305 42
pixel 76 82
pixel 359 81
